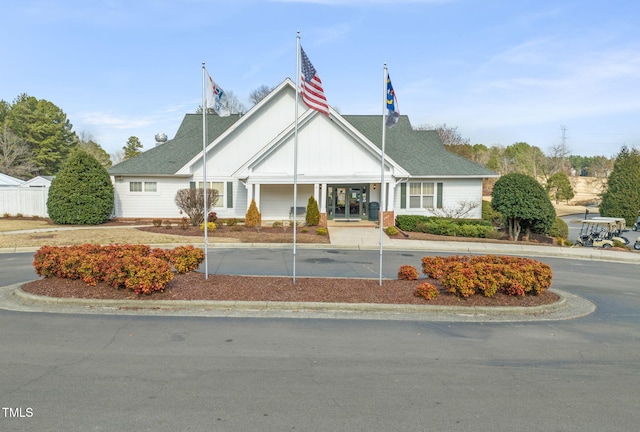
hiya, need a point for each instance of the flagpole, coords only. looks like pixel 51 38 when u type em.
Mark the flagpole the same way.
pixel 295 158
pixel 204 170
pixel 382 185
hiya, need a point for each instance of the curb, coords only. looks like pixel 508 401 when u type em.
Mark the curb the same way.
pixel 568 306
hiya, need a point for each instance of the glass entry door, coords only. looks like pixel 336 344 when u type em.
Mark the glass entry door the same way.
pixel 347 202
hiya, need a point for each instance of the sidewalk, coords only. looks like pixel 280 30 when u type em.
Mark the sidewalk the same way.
pixel 369 238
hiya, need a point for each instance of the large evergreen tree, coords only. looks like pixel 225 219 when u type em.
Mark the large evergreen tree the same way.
pixel 46 130
pixel 622 197
pixel 524 203
pixel 81 193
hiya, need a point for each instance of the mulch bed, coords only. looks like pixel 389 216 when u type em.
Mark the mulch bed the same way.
pixel 194 286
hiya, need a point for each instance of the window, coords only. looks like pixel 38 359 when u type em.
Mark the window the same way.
pixel 219 186
pixel 421 194
pixel 148 186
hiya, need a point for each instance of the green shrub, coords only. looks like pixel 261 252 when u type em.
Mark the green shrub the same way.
pixel 277 224
pixel 312 217
pixel 156 222
pixel 322 231
pixel 81 193
pixel 304 230
pixel 494 217
pixel 391 230
pixel 559 228
pixel 232 222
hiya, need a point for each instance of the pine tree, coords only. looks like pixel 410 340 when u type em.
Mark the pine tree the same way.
pixel 81 193
pixel 622 197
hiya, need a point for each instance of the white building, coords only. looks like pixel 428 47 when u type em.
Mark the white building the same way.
pixel 251 156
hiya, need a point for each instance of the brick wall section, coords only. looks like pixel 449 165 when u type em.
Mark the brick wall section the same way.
pixel 388 219
pixel 323 220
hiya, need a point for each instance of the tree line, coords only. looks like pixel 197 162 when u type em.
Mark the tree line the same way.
pixel 522 157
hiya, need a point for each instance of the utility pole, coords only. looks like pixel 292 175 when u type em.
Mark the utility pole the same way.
pixel 563 128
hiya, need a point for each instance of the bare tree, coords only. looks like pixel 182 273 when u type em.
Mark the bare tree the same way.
pixel 462 210
pixel 15 155
pixel 258 94
pixel 191 201
pixel 448 134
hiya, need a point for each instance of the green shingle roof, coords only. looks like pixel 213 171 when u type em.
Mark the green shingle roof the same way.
pixel 420 152
pixel 168 158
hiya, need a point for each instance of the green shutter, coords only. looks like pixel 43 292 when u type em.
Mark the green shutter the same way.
pixel 192 185
pixel 229 194
pixel 403 195
pixel 439 196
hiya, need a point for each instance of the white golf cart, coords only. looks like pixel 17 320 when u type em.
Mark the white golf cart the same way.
pixel 594 233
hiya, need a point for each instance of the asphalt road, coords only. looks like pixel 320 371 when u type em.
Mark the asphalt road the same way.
pixel 152 373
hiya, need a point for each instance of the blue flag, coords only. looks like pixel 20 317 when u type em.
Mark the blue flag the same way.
pixel 393 114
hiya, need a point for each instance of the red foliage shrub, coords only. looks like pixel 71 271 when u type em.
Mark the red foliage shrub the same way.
pixel 427 291
pixel 465 276
pixel 408 272
pixel 137 267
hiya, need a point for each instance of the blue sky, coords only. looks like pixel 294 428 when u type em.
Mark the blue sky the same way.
pixel 501 71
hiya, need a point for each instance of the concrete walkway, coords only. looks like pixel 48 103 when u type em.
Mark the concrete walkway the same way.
pixel 369 238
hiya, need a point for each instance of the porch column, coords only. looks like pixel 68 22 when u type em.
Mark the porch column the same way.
pixel 256 195
pixel 391 195
pixel 249 194
pixel 316 193
pixel 323 198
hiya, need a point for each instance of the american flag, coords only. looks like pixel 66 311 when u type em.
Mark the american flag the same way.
pixel 312 92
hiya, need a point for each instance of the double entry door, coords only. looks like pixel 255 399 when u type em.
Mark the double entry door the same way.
pixel 347 202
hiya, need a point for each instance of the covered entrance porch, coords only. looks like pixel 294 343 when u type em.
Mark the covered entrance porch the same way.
pixel 351 203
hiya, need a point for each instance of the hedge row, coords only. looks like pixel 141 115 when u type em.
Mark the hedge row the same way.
pixel 445 226
pixel 137 267
pixel 487 275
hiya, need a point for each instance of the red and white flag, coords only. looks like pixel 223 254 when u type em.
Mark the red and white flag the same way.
pixel 312 92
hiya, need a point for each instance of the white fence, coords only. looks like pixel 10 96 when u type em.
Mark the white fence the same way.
pixel 24 201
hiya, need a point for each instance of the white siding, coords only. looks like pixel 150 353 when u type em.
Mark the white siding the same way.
pixel 276 200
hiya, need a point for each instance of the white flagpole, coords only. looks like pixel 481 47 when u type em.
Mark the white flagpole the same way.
pixel 204 169
pixel 382 185
pixel 295 158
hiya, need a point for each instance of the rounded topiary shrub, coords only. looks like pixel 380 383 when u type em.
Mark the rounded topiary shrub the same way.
pixel 81 193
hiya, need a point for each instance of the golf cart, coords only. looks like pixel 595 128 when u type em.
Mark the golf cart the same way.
pixel 636 226
pixel 618 226
pixel 594 233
